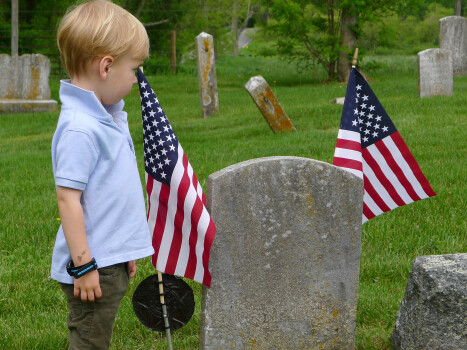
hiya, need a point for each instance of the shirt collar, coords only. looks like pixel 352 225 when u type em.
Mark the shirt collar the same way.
pixel 86 101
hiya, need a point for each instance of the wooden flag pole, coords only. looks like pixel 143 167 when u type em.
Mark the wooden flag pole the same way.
pixel 164 309
pixel 355 58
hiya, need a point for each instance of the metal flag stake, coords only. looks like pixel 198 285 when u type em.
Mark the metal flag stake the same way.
pixel 164 308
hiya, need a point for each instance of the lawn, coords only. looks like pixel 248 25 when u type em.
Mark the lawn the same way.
pixel 33 309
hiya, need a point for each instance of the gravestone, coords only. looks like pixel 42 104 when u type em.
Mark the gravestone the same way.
pixel 285 261
pixel 453 37
pixel 268 105
pixel 435 74
pixel 24 84
pixel 433 313
pixel 207 74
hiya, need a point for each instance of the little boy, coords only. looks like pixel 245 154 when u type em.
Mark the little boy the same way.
pixel 100 199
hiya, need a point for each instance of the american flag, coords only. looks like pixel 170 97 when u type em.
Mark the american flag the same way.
pixel 182 229
pixel 369 145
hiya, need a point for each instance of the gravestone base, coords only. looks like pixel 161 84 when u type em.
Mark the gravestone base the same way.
pixel 27 106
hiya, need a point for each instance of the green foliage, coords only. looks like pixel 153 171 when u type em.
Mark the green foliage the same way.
pixel 393 34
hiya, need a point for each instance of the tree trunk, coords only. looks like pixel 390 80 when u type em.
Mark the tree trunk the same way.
pixel 347 43
pixel 457 7
pixel 234 28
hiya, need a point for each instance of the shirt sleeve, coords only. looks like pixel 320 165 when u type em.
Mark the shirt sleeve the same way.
pixel 76 157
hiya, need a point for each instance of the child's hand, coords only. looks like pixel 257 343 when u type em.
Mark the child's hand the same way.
pixel 88 287
pixel 132 268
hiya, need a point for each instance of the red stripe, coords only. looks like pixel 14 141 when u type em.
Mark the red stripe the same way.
pixel 370 190
pixel 196 184
pixel 347 144
pixel 160 221
pixel 367 212
pixel 409 158
pixel 149 186
pixel 177 239
pixel 208 239
pixel 347 163
pixel 381 177
pixel 396 169
pixel 193 240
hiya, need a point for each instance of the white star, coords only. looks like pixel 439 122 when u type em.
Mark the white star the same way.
pixel 365 97
pixel 152 113
pixel 166 161
pixel 143 84
pixel 370 116
pixel 146 94
pixel 385 128
pixel 172 147
pixel 372 108
pixel 366 131
pixel 375 134
pixel 154 169
pixel 166 128
pixel 362 113
pixel 365 139
pixel 368 124
pixel 355 111
pixel 358 87
pixel 354 122
pixel 151 159
pixel 363 105
pixel 158 132
pixel 161 142
pixel 159 109
pixel 164 151
pixel 148 104
pixel 376 126
pixel 378 118
pixel 360 121
pixel 163 175
pixel 160 165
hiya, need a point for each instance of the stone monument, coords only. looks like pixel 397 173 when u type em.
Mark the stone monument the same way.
pixel 453 37
pixel 435 74
pixel 268 104
pixel 285 261
pixel 207 74
pixel 433 313
pixel 24 84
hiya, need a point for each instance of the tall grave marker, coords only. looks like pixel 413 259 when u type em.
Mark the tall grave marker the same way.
pixel 207 74
pixel 453 37
pixel 285 261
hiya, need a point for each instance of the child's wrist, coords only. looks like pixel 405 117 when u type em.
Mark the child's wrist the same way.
pixel 80 271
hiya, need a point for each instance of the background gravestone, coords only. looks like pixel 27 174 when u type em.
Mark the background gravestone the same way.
pixel 207 74
pixel 24 84
pixel 453 37
pixel 435 74
pixel 285 261
pixel 433 313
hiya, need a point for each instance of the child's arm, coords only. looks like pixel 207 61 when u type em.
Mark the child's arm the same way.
pixel 71 214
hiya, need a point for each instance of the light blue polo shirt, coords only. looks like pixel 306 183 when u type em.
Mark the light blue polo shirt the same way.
pixel 92 151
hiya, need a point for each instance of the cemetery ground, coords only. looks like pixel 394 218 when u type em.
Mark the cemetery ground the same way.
pixel 33 309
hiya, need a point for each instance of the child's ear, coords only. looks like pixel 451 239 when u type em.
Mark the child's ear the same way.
pixel 104 66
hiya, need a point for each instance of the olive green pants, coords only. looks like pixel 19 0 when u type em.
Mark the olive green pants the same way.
pixel 91 324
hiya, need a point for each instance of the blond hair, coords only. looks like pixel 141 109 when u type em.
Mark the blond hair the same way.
pixel 99 28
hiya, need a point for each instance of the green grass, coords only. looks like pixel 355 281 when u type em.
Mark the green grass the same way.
pixel 33 309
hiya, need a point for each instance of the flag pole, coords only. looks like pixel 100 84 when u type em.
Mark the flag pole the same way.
pixel 355 58
pixel 164 309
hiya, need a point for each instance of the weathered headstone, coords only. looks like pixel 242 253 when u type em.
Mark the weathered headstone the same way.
pixel 435 74
pixel 453 37
pixel 433 313
pixel 268 104
pixel 285 261
pixel 24 84
pixel 207 74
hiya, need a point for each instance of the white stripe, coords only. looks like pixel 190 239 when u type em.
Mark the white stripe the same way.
pixel 364 219
pixel 348 154
pixel 349 135
pixel 371 204
pixel 353 171
pixel 186 229
pixel 167 238
pixel 203 225
pixel 379 188
pixel 400 160
pixel 153 200
pixel 387 171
